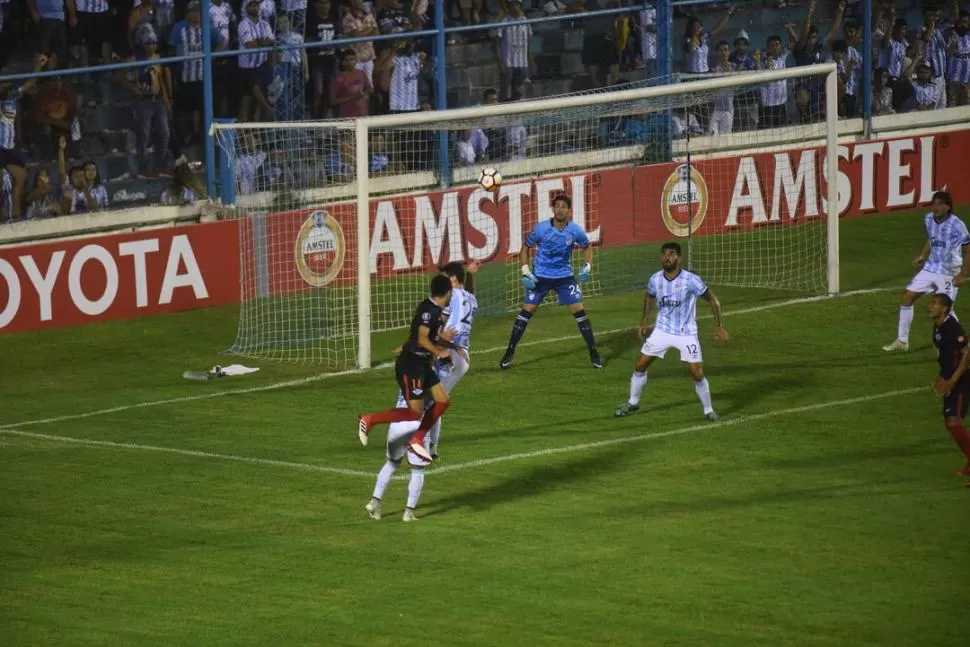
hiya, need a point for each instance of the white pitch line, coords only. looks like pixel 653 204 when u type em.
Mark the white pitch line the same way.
pixel 326 376
pixel 480 462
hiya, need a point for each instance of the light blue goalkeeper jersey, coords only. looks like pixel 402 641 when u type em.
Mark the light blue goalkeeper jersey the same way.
pixel 554 252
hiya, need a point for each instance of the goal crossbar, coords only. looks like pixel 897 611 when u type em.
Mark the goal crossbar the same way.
pixel 639 100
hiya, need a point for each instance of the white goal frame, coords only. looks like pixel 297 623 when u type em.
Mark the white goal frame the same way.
pixel 363 126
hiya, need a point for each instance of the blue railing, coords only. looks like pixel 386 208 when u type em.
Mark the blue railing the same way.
pixel 666 39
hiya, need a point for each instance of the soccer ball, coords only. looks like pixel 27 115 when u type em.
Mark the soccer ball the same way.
pixel 490 179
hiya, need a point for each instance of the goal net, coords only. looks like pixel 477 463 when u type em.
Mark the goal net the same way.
pixel 342 223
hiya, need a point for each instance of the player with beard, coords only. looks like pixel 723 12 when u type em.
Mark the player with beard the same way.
pixel 674 291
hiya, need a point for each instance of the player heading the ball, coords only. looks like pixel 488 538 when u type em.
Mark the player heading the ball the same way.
pixel 674 291
pixel 943 263
pixel 554 240
pixel 414 370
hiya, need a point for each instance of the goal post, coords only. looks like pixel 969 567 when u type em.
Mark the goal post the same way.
pixel 342 222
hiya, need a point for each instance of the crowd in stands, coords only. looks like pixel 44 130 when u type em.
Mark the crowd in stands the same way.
pixel 88 142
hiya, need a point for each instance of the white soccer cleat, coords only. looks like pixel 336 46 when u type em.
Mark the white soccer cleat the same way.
pixel 409 515
pixel 419 450
pixel 373 509
pixel 897 345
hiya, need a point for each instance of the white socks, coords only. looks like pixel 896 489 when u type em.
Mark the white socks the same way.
pixel 415 486
pixel 905 323
pixel 703 390
pixel 383 478
pixel 637 382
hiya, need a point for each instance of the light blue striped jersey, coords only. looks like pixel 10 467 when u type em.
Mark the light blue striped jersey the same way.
pixel 461 314
pixel 555 248
pixel 8 119
pixel 676 301
pixel 947 239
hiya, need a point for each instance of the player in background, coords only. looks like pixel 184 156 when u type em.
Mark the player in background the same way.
pixel 944 259
pixel 414 371
pixel 674 291
pixel 953 384
pixel 554 240
pixel 461 312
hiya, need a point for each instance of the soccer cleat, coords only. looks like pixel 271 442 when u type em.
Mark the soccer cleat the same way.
pixel 594 358
pixel 712 416
pixel 506 360
pixel 626 409
pixel 409 515
pixel 419 450
pixel 897 345
pixel 373 509
pixel 363 428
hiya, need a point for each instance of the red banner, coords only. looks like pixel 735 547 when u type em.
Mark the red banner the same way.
pixel 114 276
pixel 176 269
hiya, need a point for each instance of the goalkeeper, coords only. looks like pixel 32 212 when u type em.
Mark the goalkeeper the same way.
pixel 554 240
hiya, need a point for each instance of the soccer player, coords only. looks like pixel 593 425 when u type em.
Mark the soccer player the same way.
pixel 944 259
pixel 414 371
pixel 674 291
pixel 461 315
pixel 554 240
pixel 953 384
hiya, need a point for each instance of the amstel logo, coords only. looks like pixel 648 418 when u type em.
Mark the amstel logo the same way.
pixel 320 249
pixel 683 201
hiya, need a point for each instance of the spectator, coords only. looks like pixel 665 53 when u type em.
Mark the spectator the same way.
pixel 470 12
pixel 224 69
pixel 249 163
pixel 351 89
pixel 186 39
pixel 53 107
pixel 164 11
pixel 11 160
pixel 94 24
pixel 253 32
pixel 722 116
pixel 51 19
pixel 512 52
pixel 268 88
pixel 847 78
pixel 358 22
pixel 391 18
pixel 321 26
pixel 926 93
pixel 808 50
pixel 292 68
pixel 696 43
pixel 893 58
pixel 882 93
pixel 267 11
pixel 959 53
pixel 648 40
pixel 933 52
pixel 143 23
pixel 92 175
pixel 774 95
pixel 78 194
pixel 41 202
pixel 184 188
pixel 152 87
pixel 746 101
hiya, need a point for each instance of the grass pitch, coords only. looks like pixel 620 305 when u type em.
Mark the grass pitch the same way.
pixel 822 511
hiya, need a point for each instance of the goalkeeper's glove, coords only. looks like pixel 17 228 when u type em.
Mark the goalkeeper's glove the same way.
pixel 528 278
pixel 584 273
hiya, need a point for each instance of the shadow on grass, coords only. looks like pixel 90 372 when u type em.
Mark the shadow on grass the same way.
pixel 534 481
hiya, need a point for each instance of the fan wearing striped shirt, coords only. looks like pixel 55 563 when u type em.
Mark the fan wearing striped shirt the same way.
pixel 512 52
pixel 11 160
pixel 186 39
pixel 674 292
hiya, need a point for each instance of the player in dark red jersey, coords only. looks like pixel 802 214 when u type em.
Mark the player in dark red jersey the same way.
pixel 414 370
pixel 950 340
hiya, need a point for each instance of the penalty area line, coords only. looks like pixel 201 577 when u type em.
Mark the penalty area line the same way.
pixel 484 462
pixel 303 381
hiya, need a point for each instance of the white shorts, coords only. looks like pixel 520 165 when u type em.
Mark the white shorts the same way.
pixel 931 282
pixel 659 342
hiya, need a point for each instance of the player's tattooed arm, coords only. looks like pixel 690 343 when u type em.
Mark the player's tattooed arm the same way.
pixel 716 313
pixel 648 303
pixel 923 253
